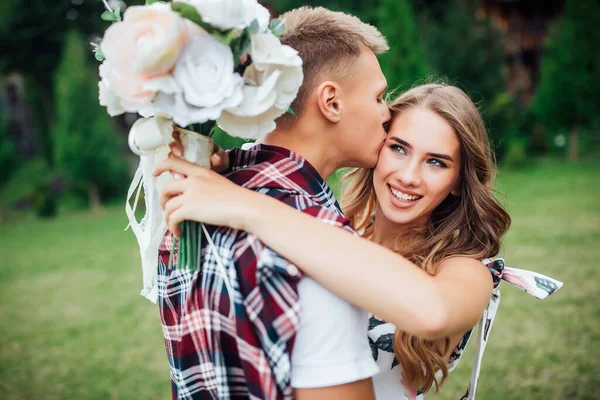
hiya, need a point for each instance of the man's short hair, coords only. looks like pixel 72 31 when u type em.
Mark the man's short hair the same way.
pixel 327 41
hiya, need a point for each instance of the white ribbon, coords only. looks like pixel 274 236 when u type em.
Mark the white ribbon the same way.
pixel 150 138
pixel 150 230
pixel 536 284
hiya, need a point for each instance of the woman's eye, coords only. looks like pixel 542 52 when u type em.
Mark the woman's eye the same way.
pixel 437 163
pixel 398 149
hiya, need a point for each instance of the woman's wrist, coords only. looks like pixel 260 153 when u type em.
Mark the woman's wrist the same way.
pixel 253 209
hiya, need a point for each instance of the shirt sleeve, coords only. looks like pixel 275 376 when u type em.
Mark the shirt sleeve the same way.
pixel 332 345
pixel 267 258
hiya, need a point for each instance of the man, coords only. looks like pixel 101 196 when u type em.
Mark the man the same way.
pixel 235 331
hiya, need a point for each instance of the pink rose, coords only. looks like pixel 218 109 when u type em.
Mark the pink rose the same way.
pixel 143 47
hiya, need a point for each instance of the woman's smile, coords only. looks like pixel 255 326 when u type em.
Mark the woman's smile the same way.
pixel 402 199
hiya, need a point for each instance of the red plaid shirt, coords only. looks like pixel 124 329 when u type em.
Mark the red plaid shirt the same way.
pixel 246 356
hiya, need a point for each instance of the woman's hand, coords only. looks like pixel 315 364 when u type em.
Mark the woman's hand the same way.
pixel 202 195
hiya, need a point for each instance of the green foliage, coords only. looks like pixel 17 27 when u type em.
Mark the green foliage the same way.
pixel 44 202
pixel 112 16
pixel 365 10
pixel 403 64
pixel 569 88
pixel 225 141
pixel 24 181
pixel 87 148
pixel 32 35
pixel 516 154
pixel 35 98
pixel 97 52
pixel 469 51
pixel 277 27
pixel 189 12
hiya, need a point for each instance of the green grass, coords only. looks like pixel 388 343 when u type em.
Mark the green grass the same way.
pixel 73 326
pixel 72 323
pixel 546 349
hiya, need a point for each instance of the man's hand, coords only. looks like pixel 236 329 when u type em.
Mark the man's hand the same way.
pixel 219 160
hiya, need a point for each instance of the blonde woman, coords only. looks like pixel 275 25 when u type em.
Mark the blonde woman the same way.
pixel 429 217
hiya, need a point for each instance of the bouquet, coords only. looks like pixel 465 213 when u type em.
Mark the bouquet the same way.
pixel 192 66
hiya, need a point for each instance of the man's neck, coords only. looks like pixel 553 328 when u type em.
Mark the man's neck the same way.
pixel 310 145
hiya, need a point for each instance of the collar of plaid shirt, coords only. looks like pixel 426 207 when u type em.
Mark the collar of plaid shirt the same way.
pixel 211 355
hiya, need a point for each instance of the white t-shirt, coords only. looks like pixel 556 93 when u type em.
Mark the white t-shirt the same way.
pixel 331 347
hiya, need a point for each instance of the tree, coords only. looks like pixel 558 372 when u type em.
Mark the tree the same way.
pixel 32 34
pixel 87 149
pixel 569 90
pixel 403 64
pixel 7 152
pixel 365 10
pixel 466 48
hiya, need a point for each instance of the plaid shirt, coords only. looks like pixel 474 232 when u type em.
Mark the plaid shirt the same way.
pixel 213 355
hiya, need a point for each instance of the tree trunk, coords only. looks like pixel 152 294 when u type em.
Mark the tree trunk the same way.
pixel 574 144
pixel 45 92
pixel 94 198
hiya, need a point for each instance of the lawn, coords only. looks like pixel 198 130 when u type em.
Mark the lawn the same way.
pixel 73 325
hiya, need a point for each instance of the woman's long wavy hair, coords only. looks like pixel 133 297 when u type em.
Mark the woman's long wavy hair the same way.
pixel 469 224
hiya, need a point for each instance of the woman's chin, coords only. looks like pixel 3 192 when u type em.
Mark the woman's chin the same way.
pixel 400 216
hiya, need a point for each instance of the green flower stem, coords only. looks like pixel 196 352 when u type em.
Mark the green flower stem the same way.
pixel 188 243
pixel 181 260
pixel 193 244
pixel 189 246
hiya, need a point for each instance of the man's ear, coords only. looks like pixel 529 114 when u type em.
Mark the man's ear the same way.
pixel 329 101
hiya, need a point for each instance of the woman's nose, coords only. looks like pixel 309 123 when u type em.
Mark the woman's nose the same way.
pixel 409 175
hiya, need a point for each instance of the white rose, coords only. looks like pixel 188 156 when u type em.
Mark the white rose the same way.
pixel 231 14
pixel 271 85
pixel 202 85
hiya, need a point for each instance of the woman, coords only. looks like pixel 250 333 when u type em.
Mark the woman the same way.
pixel 430 217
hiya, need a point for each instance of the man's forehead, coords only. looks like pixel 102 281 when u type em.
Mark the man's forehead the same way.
pixel 372 69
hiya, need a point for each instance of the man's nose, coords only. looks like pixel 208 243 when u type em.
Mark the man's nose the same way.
pixel 387 115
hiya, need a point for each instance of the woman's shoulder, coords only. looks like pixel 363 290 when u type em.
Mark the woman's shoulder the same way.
pixel 460 265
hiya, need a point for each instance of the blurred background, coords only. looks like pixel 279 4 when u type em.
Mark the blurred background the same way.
pixel 72 322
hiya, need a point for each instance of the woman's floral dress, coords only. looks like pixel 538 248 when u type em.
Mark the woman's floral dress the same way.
pixel 389 383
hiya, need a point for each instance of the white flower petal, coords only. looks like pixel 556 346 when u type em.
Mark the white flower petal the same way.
pixel 266 49
pixel 253 128
pixel 228 14
pixel 271 85
pixel 164 84
pixel 109 99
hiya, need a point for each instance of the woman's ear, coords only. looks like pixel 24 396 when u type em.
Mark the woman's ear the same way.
pixel 329 101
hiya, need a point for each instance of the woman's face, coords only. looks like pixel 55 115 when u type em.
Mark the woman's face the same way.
pixel 418 167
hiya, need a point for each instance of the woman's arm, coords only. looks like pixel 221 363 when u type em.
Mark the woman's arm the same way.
pixel 364 273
